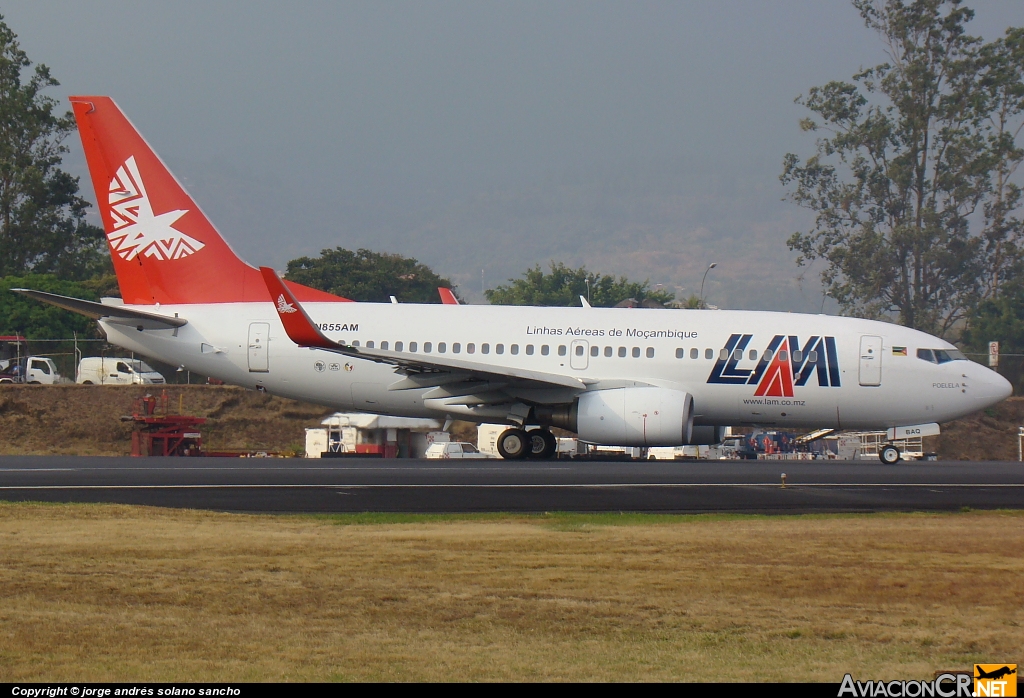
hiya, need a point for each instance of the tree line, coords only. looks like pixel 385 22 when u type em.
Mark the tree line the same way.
pixel 914 182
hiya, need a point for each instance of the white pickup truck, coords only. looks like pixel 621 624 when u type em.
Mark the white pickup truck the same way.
pixel 30 369
pixel 455 449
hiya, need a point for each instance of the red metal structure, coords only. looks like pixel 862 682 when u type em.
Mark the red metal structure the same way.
pixel 158 433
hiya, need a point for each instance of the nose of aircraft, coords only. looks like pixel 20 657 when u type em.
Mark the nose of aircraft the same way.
pixel 990 387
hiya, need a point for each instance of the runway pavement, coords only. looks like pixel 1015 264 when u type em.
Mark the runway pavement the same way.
pixel 366 484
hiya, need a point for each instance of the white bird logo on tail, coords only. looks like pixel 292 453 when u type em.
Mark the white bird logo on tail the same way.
pixel 137 231
pixel 283 306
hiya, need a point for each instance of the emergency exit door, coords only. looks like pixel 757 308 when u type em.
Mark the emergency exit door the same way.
pixel 870 360
pixel 258 335
pixel 579 354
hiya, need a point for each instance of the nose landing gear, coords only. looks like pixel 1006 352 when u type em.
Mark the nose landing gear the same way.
pixel 889 454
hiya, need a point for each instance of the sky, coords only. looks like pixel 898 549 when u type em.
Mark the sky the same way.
pixel 638 138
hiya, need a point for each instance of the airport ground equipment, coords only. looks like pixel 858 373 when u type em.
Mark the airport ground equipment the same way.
pixel 156 432
pixel 360 434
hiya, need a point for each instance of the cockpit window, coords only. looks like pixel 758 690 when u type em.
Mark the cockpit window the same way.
pixel 941 356
pixel 944 355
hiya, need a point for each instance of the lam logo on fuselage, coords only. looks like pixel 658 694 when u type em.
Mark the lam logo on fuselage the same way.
pixel 781 367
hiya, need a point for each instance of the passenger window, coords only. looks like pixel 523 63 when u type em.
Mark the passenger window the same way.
pixel 485 348
pixel 680 353
pixel 442 347
pixel 561 350
pixel 412 346
pixel 752 354
pixel 545 350
pixel 579 350
pixel 471 348
pixel 723 354
pixel 398 346
pixel 595 350
pixel 798 355
pixel 925 354
pixel 636 352
pixel 737 354
pixel 812 356
pixel 355 343
pixel 768 354
pixel 499 348
pixel 694 353
pixel 709 353
pixel 622 352
pixel 529 350
pixel 608 351
pixel 369 345
pixel 783 355
pixel 427 346
pixel 456 348
pixel 514 349
pixel 650 352
pixel 384 345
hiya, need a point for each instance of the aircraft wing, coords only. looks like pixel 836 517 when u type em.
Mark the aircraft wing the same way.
pixel 422 370
pixel 108 313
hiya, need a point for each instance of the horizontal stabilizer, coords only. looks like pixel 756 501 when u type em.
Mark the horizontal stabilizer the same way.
pixel 111 313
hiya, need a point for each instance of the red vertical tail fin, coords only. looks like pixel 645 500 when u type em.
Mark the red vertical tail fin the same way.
pixel 165 250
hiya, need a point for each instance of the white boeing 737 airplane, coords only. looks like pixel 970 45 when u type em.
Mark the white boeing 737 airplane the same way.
pixel 629 376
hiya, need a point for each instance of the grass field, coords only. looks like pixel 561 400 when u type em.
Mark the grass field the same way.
pixel 111 593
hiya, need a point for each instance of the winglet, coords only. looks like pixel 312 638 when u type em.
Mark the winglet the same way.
pixel 584 302
pixel 297 324
pixel 447 297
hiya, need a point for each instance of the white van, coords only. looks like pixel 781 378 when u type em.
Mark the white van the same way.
pixel 108 370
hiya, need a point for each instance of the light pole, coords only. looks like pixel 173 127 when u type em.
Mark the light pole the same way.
pixel 588 290
pixel 710 267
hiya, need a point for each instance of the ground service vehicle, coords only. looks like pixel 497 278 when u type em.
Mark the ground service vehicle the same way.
pixel 29 369
pixel 107 370
pixel 455 449
pixel 631 376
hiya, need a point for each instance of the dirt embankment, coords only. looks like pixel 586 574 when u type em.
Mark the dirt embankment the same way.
pixel 86 420
pixel 987 435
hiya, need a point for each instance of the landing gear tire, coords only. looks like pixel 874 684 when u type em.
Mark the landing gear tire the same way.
pixel 542 444
pixel 513 444
pixel 889 455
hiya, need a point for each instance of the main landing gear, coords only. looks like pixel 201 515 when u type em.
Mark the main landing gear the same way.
pixel 889 454
pixel 538 444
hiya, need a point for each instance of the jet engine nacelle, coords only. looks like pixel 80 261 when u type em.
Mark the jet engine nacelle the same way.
pixel 706 436
pixel 640 416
